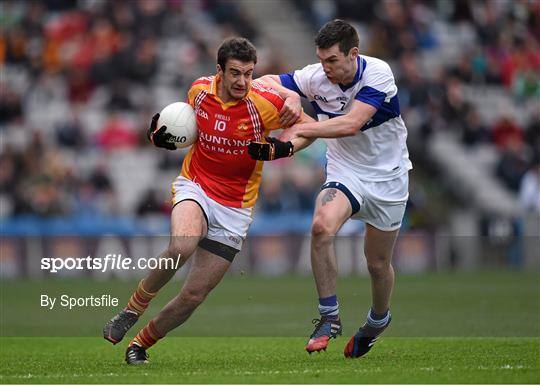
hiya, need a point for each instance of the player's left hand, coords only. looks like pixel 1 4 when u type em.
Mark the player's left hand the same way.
pixel 158 136
pixel 291 111
pixel 271 150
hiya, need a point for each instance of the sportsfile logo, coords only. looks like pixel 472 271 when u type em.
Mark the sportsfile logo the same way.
pixel 111 261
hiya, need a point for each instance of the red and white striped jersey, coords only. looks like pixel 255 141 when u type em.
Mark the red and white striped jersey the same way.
pixel 219 161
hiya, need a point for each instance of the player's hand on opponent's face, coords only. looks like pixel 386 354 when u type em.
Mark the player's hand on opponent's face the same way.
pixel 291 111
pixel 158 136
pixel 271 150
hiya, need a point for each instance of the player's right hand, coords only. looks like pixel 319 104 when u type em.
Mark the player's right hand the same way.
pixel 158 136
pixel 291 111
pixel 271 150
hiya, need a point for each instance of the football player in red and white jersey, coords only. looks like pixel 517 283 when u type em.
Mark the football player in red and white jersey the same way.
pixel 214 195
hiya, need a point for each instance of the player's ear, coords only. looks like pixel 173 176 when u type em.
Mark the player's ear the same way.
pixel 353 53
pixel 219 70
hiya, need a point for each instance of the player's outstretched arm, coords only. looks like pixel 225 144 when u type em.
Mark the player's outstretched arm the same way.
pixel 292 108
pixel 299 143
pixel 342 126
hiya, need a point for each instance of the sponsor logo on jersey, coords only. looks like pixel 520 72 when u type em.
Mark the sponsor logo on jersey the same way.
pixel 223 145
pixel 321 98
pixel 242 129
pixel 225 141
pixel 201 113
pixel 222 117
pixel 235 240
pixel 243 125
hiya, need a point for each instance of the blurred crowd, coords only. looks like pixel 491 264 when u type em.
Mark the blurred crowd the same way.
pixel 82 78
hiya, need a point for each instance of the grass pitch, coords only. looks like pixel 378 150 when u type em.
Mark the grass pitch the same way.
pixel 447 328
pixel 273 360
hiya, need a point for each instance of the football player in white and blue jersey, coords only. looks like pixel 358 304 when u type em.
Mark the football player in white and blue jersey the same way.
pixel 355 98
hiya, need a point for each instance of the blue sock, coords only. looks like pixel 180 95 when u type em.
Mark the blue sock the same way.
pixel 329 307
pixel 376 320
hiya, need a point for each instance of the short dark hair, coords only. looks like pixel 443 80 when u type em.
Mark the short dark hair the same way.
pixel 337 31
pixel 236 48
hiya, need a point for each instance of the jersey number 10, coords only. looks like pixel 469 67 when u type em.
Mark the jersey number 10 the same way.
pixel 220 125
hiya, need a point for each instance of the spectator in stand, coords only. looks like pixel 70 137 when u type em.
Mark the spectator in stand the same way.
pixel 379 47
pixel 513 163
pixel 411 85
pixel 521 61
pixel 8 170
pixel 486 67
pixel 117 133
pixel 149 17
pixel 10 104
pixel 463 70
pixel 86 200
pixel 150 204
pixel 46 199
pixel 144 63
pixel 455 107
pixel 80 86
pixel 474 130
pixel 70 134
pixel 99 179
pixel 507 133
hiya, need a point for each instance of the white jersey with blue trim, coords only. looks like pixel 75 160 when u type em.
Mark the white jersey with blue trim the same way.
pixel 378 151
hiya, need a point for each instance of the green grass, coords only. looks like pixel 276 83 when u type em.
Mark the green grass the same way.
pixel 446 304
pixel 273 360
pixel 447 328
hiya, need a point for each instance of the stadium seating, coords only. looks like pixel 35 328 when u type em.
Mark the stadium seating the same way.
pixel 63 82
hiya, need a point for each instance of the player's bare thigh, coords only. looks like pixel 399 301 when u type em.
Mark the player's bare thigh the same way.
pixel 332 209
pixel 188 226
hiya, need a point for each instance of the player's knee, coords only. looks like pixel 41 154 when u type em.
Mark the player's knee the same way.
pixel 378 267
pixel 178 249
pixel 174 250
pixel 321 228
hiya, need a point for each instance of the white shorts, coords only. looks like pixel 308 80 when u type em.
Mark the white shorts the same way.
pixel 226 225
pixel 381 203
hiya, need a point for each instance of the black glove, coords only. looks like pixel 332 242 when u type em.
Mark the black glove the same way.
pixel 158 136
pixel 273 149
